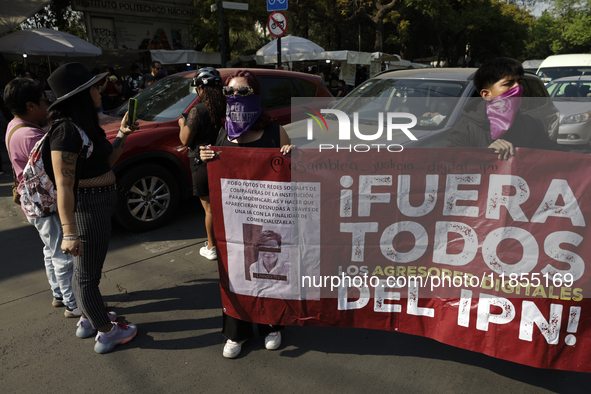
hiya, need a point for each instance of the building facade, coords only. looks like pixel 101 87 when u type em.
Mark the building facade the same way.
pixel 138 24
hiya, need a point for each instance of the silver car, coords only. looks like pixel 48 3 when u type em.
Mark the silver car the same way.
pixel 436 96
pixel 572 97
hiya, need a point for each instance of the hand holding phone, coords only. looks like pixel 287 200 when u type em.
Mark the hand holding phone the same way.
pixel 131 111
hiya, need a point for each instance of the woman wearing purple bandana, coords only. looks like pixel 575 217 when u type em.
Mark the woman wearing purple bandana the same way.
pixel 496 122
pixel 249 126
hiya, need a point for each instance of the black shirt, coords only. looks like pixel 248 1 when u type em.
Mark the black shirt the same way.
pixel 65 137
pixel 149 79
pixel 199 122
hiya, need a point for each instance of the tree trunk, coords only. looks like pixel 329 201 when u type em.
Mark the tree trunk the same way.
pixel 378 22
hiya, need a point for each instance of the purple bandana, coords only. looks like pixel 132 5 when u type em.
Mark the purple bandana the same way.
pixel 502 109
pixel 241 113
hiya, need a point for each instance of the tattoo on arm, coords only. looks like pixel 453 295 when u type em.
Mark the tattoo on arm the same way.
pixel 69 165
pixel 69 158
pixel 118 143
pixel 69 173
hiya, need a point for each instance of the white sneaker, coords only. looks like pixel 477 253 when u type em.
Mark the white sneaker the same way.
pixel 273 340
pixel 72 312
pixel 209 254
pixel 85 329
pixel 119 334
pixel 232 349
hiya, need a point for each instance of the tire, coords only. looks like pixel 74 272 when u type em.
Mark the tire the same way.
pixel 149 197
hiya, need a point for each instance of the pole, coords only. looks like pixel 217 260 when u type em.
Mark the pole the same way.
pixel 359 26
pixel 221 33
pixel 278 52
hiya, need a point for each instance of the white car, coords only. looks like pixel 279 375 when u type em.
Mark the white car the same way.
pixel 572 97
pixel 435 96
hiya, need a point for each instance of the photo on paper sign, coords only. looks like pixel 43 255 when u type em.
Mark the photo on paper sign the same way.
pixel 264 258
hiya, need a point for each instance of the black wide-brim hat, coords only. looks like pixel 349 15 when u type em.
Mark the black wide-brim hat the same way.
pixel 71 79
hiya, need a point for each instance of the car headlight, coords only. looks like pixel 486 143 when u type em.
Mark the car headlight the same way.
pixel 578 118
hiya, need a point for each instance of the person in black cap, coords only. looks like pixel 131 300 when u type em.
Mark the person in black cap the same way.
pixel 201 128
pixel 86 194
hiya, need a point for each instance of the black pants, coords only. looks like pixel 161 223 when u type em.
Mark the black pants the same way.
pixel 239 330
pixel 93 221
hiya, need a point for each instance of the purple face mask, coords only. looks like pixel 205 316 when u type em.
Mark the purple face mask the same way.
pixel 502 109
pixel 241 114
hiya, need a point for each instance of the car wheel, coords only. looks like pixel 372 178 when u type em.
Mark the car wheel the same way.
pixel 149 197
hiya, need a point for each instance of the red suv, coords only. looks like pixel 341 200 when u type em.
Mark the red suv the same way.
pixel 154 169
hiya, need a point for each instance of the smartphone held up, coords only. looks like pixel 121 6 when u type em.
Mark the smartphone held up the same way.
pixel 131 111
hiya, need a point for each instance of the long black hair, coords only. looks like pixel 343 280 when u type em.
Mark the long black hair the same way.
pixel 79 109
pixel 215 102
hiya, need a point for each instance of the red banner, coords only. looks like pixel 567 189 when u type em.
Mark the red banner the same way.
pixel 451 244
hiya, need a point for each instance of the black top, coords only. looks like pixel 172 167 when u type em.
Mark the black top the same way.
pixel 270 138
pixel 132 84
pixel 205 131
pixel 65 137
pixel 149 79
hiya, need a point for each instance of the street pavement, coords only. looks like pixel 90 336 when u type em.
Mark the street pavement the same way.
pixel 159 281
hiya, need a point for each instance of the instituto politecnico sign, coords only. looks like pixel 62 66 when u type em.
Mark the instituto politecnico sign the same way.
pixel 138 25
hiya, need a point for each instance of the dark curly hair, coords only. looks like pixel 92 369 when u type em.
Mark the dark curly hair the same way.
pixel 254 83
pixel 215 102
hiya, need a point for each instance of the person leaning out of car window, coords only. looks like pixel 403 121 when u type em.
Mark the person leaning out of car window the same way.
pixel 484 125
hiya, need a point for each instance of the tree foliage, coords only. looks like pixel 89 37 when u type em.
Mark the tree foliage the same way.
pixel 58 14
pixel 565 27
pixel 454 32
pixel 243 30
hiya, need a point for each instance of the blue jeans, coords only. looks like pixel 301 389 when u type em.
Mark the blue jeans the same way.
pixel 59 267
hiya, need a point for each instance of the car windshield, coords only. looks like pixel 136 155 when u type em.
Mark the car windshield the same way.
pixel 570 90
pixel 431 101
pixel 163 101
pixel 547 74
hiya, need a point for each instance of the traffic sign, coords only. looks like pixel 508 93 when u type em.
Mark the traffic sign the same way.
pixel 277 23
pixel 276 5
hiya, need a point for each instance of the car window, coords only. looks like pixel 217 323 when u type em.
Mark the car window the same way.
pixel 526 93
pixel 551 87
pixel 547 74
pixel 570 90
pixel 535 87
pixel 431 101
pixel 276 92
pixel 307 88
pixel 164 100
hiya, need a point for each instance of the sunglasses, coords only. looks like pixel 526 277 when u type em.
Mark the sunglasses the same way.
pixel 46 100
pixel 240 91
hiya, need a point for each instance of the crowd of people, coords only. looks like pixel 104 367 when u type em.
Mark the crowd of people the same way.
pixel 78 159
